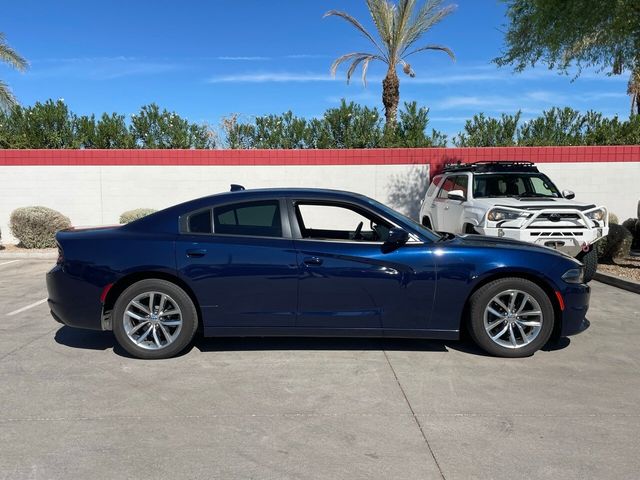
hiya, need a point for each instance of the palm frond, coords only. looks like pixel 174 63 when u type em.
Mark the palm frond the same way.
pixel 349 56
pixel 382 13
pixel 10 56
pixel 7 99
pixel 440 48
pixel 402 20
pixel 428 16
pixel 365 67
pixel 356 24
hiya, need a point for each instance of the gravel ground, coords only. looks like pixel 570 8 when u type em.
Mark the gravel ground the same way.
pixel 10 248
pixel 628 268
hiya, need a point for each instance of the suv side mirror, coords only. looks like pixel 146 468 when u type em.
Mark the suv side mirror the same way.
pixel 568 194
pixel 456 195
pixel 397 237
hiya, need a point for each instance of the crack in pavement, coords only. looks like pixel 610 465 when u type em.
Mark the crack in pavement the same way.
pixel 413 414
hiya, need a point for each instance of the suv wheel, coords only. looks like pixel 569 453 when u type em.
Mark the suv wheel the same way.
pixel 427 223
pixel 511 317
pixel 590 262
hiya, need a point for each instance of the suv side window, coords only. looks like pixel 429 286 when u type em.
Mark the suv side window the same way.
pixel 257 219
pixel 447 186
pixel 461 183
pixel 434 184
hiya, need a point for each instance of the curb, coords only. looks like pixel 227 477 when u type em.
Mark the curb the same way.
pixel 622 283
pixel 53 255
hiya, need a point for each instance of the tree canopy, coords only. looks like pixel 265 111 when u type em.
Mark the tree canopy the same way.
pixel 603 34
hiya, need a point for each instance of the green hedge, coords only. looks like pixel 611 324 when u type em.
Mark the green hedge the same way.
pixel 136 214
pixel 36 227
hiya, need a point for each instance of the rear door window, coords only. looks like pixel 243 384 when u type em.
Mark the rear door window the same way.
pixel 256 219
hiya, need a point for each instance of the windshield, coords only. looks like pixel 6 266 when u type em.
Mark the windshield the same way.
pixel 521 185
pixel 430 234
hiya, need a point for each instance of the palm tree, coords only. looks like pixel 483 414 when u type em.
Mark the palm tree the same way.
pixel 399 27
pixel 13 58
pixel 633 89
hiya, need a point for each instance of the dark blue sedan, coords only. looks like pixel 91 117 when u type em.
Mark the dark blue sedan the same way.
pixel 309 262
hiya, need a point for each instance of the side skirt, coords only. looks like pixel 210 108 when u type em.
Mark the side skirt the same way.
pixel 329 332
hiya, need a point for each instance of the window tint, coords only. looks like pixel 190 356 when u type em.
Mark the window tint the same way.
pixel 340 222
pixel 513 184
pixel 200 222
pixel 434 184
pixel 447 186
pixel 259 219
pixel 460 183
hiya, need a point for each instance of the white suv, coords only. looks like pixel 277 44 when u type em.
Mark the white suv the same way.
pixel 514 200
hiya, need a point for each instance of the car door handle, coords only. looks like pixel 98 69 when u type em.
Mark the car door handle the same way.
pixel 196 252
pixel 312 261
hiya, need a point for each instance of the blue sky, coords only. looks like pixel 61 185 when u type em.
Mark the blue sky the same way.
pixel 208 59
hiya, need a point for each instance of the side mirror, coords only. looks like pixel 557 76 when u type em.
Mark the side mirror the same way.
pixel 456 195
pixel 397 237
pixel 568 194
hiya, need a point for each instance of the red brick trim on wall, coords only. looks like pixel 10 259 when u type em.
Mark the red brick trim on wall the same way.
pixel 436 157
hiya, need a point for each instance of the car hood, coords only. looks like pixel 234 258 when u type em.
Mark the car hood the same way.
pixel 473 240
pixel 533 203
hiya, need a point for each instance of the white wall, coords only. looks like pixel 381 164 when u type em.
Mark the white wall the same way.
pixel 615 185
pixel 97 195
pixel 94 195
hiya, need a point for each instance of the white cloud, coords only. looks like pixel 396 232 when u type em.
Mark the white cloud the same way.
pixel 273 77
pixel 245 58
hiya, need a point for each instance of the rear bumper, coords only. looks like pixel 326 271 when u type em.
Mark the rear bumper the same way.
pixel 576 305
pixel 73 301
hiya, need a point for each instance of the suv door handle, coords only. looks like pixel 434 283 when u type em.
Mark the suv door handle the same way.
pixel 196 252
pixel 312 261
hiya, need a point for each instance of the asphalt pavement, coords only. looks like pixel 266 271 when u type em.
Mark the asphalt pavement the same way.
pixel 74 406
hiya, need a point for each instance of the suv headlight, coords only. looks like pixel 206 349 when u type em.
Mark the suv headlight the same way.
pixel 597 214
pixel 499 214
pixel 575 275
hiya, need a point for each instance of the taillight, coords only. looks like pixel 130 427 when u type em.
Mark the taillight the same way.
pixel 60 259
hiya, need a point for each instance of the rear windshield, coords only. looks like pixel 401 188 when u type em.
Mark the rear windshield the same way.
pixel 521 185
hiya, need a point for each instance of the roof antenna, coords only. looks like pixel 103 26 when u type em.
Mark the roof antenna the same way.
pixel 236 188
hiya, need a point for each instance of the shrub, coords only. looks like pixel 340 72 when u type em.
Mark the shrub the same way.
pixel 633 225
pixel 36 227
pixel 136 214
pixel 616 244
pixel 613 218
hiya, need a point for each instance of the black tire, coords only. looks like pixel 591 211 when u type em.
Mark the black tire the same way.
pixel 427 223
pixel 469 229
pixel 181 299
pixel 590 262
pixel 481 299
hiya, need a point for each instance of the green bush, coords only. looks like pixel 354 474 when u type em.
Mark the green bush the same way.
pixel 613 218
pixel 616 244
pixel 36 227
pixel 136 214
pixel 633 225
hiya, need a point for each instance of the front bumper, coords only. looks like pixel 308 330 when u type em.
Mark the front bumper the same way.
pixel 576 304
pixel 570 241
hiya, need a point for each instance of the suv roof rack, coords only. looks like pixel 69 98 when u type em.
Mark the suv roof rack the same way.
pixel 480 167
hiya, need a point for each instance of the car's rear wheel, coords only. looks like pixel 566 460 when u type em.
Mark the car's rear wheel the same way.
pixel 154 319
pixel 590 262
pixel 511 317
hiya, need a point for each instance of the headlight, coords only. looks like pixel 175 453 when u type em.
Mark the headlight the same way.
pixel 575 275
pixel 596 214
pixel 498 214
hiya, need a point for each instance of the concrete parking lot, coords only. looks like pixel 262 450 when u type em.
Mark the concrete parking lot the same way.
pixel 73 406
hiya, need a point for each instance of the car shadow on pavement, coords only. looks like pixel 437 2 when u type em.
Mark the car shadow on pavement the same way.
pixel 97 340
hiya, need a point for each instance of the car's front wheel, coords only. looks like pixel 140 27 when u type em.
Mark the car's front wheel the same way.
pixel 511 317
pixel 154 319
